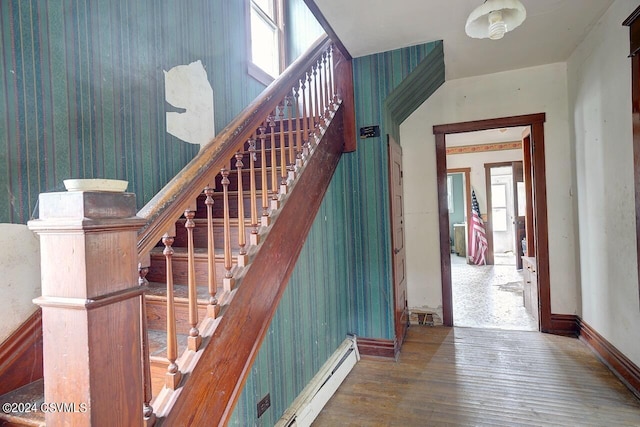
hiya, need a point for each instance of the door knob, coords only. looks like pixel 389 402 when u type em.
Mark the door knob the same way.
pixel 396 251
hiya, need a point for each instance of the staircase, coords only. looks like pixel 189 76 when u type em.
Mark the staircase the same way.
pixel 220 242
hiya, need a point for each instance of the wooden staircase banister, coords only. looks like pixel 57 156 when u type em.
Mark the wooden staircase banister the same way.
pixel 168 204
pixel 304 133
pixel 244 325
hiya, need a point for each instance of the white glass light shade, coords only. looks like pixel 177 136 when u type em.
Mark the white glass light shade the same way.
pixel 494 18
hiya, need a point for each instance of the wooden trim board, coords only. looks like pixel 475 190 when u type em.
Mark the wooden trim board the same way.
pixel 627 371
pixel 21 355
pixel 377 347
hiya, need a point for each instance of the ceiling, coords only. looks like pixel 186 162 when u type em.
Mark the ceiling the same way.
pixel 550 33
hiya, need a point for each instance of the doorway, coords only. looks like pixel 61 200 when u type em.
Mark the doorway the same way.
pixel 506 212
pixel 486 295
pixel 539 205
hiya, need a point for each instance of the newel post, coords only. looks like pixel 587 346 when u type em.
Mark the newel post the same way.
pixel 90 307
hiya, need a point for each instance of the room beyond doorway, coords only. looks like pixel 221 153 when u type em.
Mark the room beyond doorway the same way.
pixel 489 296
pixel 485 296
pixel 533 144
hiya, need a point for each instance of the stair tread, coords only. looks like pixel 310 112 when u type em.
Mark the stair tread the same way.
pixel 181 292
pixel 158 343
pixel 32 395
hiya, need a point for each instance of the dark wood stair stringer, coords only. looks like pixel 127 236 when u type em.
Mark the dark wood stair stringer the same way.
pixel 214 386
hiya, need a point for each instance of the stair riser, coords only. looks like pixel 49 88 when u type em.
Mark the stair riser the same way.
pixel 218 206
pixel 257 164
pixel 200 235
pixel 157 271
pixel 157 315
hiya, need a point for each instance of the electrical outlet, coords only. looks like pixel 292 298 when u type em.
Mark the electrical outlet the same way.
pixel 264 404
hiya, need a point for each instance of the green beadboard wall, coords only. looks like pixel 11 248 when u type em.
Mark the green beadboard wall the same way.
pixel 376 77
pixel 342 281
pixel 302 28
pixel 314 315
pixel 82 90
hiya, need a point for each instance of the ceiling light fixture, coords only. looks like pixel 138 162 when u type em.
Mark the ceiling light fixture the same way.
pixel 494 18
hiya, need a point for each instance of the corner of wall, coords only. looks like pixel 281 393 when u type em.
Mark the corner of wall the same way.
pixel 20 281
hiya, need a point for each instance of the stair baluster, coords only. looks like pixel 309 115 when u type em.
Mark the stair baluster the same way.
pixel 228 281
pixel 242 252
pixel 291 138
pixel 274 161
pixel 316 104
pixel 327 92
pixel 254 236
pixel 283 150
pixel 212 308
pixel 323 92
pixel 173 375
pixel 264 219
pixel 147 409
pixel 299 126
pixel 332 69
pixel 194 339
pixel 305 115
pixel 332 101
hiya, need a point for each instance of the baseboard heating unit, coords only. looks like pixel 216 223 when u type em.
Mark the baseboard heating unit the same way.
pixel 304 410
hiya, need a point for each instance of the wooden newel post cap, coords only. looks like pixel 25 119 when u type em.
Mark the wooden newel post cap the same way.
pixel 84 208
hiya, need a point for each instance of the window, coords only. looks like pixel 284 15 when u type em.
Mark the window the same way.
pixel 499 206
pixel 266 35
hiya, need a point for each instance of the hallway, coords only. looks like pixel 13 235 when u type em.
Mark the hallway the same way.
pixel 489 296
pixel 479 377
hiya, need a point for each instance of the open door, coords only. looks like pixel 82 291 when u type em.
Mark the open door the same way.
pixel 519 211
pixel 396 194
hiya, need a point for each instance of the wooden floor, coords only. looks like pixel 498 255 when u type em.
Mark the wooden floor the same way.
pixel 483 377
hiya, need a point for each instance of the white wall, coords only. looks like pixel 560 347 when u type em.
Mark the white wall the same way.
pixel 599 75
pixel 476 162
pixel 526 91
pixel 20 278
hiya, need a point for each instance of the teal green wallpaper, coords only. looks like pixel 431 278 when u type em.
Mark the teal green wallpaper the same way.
pixel 82 90
pixel 314 315
pixel 342 280
pixel 457 188
pixel 302 28
pixel 376 79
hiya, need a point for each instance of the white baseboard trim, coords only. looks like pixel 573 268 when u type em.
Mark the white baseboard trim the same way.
pixel 304 410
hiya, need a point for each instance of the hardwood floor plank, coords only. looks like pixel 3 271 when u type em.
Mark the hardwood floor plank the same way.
pixel 481 377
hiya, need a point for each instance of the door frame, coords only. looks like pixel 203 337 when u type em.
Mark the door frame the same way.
pixel 541 226
pixel 488 224
pixel 467 200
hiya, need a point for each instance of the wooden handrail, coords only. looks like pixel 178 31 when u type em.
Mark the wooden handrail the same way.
pixel 167 206
pixel 245 323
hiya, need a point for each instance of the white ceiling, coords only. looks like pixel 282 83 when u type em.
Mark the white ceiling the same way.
pixel 550 33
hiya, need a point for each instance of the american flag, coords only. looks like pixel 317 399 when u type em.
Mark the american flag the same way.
pixel 478 248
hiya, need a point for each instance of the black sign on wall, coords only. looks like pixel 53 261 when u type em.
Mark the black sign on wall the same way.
pixel 369 131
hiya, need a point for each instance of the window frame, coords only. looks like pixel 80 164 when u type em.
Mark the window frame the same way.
pixel 254 70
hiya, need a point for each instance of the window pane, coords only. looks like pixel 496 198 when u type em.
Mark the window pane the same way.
pixel 499 195
pixel 264 44
pixel 499 219
pixel 522 200
pixel 267 7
